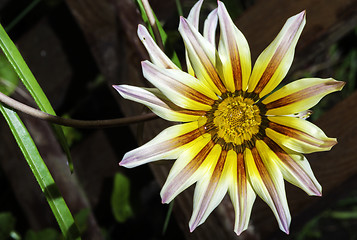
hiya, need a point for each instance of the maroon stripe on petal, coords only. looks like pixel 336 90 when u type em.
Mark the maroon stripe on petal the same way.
pixel 179 87
pixel 292 165
pixel 301 136
pixel 278 56
pixel 211 188
pixel 166 146
pixel 242 187
pixel 205 61
pixel 188 170
pixel 304 94
pixel 270 186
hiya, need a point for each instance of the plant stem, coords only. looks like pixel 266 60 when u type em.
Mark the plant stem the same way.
pixel 12 103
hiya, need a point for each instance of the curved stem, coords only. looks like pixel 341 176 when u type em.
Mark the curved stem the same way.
pixel 73 122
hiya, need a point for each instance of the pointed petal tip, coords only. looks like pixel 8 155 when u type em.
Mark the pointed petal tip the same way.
pixel 285 225
pixel 341 84
pixel 239 231
pixel 164 198
pixel 118 88
pixel 318 194
pixel 140 30
pixel 193 227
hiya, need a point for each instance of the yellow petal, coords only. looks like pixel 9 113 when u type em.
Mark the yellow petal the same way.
pixel 210 188
pixel 267 181
pixel 275 61
pixel 298 135
pixel 295 168
pixel 240 191
pixel 181 88
pixel 187 169
pixel 300 95
pixel 203 56
pixel 234 53
pixel 158 103
pixel 167 145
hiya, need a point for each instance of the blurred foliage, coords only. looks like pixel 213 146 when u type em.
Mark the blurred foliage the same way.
pixel 120 200
pixel 8 77
pixel 7 226
pixel 45 234
pixel 336 222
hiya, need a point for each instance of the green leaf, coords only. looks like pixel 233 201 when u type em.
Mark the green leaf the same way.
pixel 45 234
pixel 168 217
pixel 27 78
pixel 43 176
pixel 120 201
pixel 8 77
pixel 81 219
pixel 7 224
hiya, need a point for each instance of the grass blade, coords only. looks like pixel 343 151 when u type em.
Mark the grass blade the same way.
pixel 26 76
pixel 43 176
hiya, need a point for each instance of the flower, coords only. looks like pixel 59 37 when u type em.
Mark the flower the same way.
pixel 236 134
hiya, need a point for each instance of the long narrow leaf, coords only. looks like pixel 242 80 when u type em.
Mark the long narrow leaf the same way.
pixel 26 76
pixel 43 176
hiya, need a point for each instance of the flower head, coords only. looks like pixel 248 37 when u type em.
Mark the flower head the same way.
pixel 236 135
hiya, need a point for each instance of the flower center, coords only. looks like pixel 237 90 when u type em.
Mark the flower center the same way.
pixel 234 119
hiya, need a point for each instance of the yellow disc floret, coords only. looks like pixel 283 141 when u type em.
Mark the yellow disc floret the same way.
pixel 236 119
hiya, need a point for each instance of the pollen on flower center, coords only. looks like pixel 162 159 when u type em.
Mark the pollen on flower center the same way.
pixel 234 119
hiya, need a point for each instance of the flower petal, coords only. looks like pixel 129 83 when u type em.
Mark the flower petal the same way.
pixel 295 168
pixel 300 95
pixel 210 27
pixel 298 135
pixel 157 56
pixel 203 56
pixel 234 53
pixel 194 14
pixel 193 18
pixel 268 182
pixel 158 103
pixel 187 169
pixel 180 87
pixel 240 191
pixel 167 145
pixel 210 188
pixel 275 61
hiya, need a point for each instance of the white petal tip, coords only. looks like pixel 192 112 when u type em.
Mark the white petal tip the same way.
pixel 116 87
pixel 119 89
pixel 285 227
pixel 128 163
pixel 164 199
pixel 239 229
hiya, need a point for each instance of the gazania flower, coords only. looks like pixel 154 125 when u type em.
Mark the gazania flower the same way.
pixel 236 134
